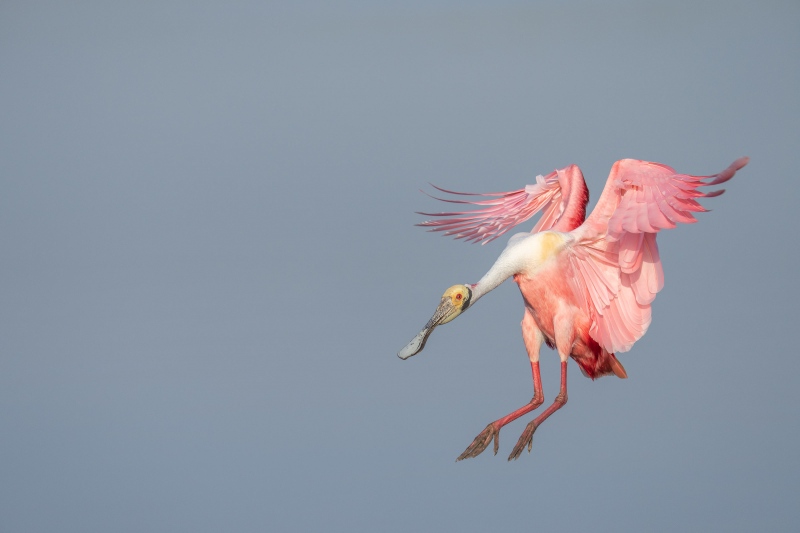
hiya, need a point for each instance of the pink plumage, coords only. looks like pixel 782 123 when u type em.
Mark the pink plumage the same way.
pixel 562 191
pixel 615 265
pixel 587 284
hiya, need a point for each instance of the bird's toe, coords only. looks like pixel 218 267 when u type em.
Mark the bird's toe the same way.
pixel 481 442
pixel 526 439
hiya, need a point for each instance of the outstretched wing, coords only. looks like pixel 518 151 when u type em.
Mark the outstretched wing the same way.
pixel 644 197
pixel 615 256
pixel 553 194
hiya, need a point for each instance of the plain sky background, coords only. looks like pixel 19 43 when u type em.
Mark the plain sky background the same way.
pixel 209 263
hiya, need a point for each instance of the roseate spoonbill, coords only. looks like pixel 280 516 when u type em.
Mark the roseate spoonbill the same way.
pixel 587 284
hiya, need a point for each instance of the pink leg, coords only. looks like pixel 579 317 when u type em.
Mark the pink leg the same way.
pixel 527 436
pixel 492 431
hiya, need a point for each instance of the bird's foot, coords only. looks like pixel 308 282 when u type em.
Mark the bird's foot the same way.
pixel 482 441
pixel 525 439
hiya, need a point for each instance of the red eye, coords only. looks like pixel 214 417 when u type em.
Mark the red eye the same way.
pixel 458 296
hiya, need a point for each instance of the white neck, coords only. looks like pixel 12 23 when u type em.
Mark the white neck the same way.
pixel 525 252
pixel 514 259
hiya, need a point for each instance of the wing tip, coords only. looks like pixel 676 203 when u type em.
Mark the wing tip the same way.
pixel 741 162
pixel 729 172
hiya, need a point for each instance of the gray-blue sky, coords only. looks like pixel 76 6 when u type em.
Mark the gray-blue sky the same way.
pixel 209 264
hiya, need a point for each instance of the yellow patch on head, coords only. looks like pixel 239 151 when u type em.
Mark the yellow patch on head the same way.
pixel 457 294
pixel 454 301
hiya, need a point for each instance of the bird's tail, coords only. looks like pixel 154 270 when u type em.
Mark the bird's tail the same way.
pixel 601 364
pixel 616 367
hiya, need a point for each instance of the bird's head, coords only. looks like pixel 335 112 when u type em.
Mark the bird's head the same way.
pixel 455 301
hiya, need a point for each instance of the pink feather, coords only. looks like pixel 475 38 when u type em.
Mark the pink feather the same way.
pixel 614 258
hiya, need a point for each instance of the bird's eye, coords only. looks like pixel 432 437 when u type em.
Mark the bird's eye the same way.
pixel 458 296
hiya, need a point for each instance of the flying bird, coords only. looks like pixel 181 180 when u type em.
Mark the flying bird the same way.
pixel 587 283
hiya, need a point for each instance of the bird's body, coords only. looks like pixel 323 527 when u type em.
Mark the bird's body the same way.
pixel 539 265
pixel 549 300
pixel 587 284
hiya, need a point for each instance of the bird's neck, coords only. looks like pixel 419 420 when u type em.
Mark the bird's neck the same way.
pixel 506 266
pixel 525 253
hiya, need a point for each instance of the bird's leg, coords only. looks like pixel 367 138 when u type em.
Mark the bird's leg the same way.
pixel 492 431
pixel 527 436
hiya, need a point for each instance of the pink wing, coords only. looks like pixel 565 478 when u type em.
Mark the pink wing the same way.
pixel 615 256
pixel 562 195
